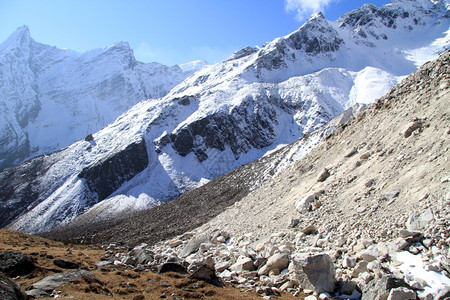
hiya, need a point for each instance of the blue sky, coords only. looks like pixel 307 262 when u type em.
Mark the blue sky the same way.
pixel 166 31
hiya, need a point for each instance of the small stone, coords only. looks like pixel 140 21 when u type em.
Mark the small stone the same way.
pixel 324 175
pixel 220 267
pixel 278 261
pixel 410 128
pixel 294 223
pixel 360 209
pixel 287 285
pixel 365 155
pixel 360 268
pixel 413 250
pixel 175 243
pixel 351 152
pixel 348 288
pixel 221 239
pixel 369 183
pixel 366 277
pixel 349 262
pixel 303 204
pixel 310 229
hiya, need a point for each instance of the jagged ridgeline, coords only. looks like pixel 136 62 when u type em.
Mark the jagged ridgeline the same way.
pixel 52 97
pixel 226 115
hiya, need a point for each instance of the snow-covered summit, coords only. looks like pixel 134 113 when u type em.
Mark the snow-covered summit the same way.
pixel 227 114
pixel 193 66
pixel 52 97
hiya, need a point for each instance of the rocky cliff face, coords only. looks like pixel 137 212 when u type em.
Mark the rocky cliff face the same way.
pixel 229 114
pixel 52 97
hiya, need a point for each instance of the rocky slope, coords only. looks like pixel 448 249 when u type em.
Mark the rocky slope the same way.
pixel 52 97
pixel 47 269
pixel 225 116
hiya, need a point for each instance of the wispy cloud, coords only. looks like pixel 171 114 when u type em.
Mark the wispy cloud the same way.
pixel 304 8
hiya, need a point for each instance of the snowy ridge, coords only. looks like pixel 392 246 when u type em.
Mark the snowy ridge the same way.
pixel 52 97
pixel 228 114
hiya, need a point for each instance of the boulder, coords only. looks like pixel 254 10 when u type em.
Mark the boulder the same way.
pixel 172 267
pixel 348 287
pixel 207 274
pixel 243 264
pixel 44 287
pixel 193 245
pixel 360 268
pixel 420 220
pixel 66 263
pixel 278 262
pixel 14 263
pixel 9 290
pixel 142 256
pixel 380 288
pixel 410 128
pixel 401 293
pixel 303 204
pixel 310 229
pixel 315 271
pixel 443 294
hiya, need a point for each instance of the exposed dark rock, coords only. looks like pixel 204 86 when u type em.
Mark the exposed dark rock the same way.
pixel 243 52
pixel 19 188
pixel 240 131
pixel 172 267
pixel 89 138
pixel 66 263
pixel 207 274
pixel 106 176
pixel 313 37
pixel 185 100
pixel 9 290
pixel 14 263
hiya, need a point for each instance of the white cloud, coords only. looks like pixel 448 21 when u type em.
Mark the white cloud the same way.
pixel 304 8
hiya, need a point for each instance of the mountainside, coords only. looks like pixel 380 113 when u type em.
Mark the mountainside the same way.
pixel 226 115
pixel 52 97
pixel 368 208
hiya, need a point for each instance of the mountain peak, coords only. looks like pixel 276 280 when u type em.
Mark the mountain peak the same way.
pixel 316 16
pixel 118 46
pixel 19 38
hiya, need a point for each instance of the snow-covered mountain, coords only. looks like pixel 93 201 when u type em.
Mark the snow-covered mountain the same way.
pixel 51 97
pixel 227 115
